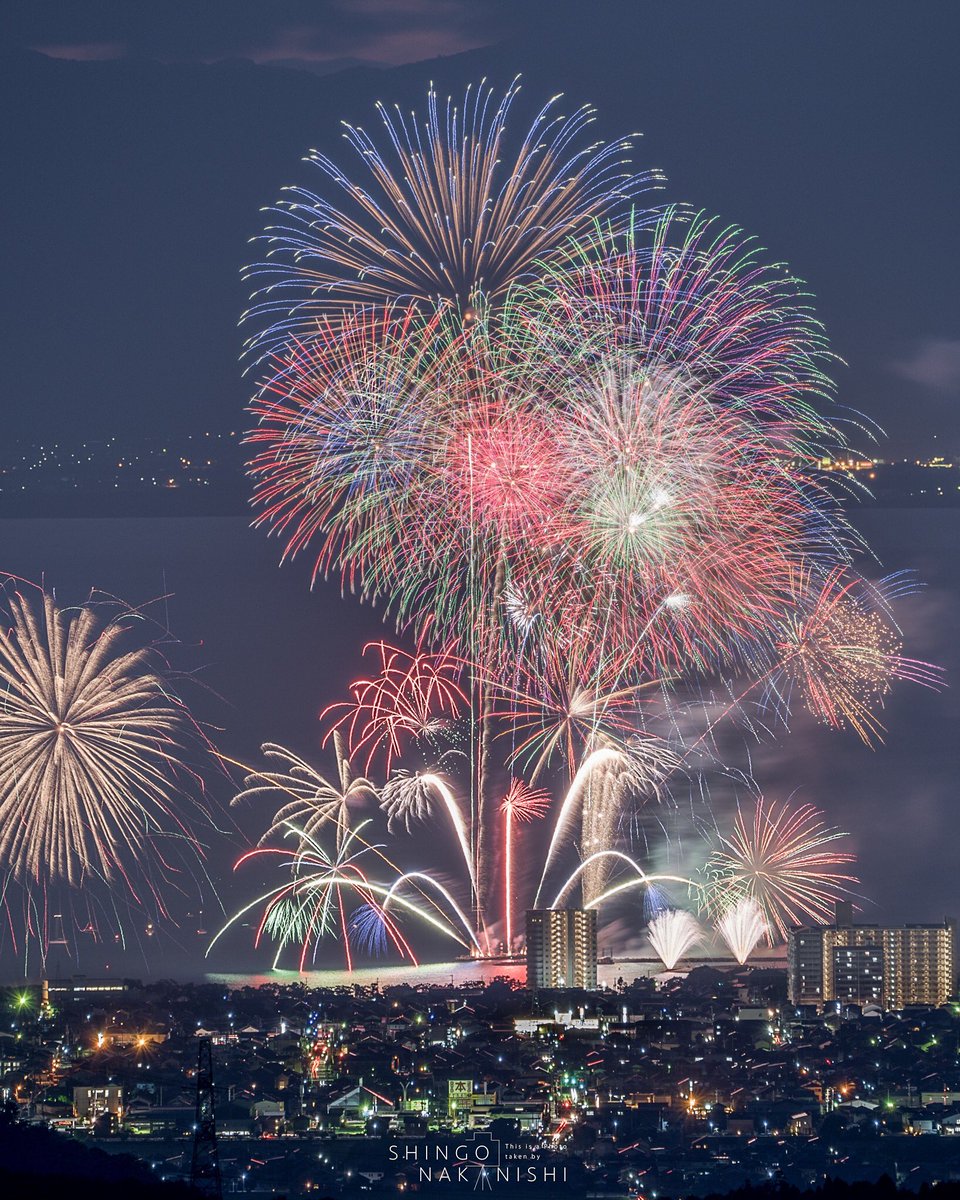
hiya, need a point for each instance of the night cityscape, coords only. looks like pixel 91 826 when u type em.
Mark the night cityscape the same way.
pixel 479 599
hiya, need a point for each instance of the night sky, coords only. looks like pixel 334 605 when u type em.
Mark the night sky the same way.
pixel 140 140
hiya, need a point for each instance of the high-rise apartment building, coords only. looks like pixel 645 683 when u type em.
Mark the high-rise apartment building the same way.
pixel 562 948
pixel 892 966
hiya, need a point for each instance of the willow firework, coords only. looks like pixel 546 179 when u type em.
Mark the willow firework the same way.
pixel 308 799
pixel 445 213
pixel 412 697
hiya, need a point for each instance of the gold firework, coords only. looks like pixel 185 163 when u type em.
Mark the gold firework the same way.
pixel 90 740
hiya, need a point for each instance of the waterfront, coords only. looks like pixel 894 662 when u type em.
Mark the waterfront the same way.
pixel 268 662
pixel 476 973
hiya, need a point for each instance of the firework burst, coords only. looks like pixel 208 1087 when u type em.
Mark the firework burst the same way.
pixel 445 214
pixel 692 299
pixel 786 860
pixel 840 649
pixel 412 697
pixel 573 455
pixel 92 739
pixel 343 433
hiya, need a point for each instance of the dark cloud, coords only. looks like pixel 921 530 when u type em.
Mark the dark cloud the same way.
pixel 303 33
pixel 83 51
pixel 934 363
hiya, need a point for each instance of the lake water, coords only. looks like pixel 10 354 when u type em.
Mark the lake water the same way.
pixel 462 974
pixel 271 654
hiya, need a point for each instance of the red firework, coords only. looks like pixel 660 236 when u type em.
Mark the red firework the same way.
pixel 521 804
pixel 505 470
pixel 412 696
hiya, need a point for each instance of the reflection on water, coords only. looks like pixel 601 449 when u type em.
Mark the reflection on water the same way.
pixel 463 974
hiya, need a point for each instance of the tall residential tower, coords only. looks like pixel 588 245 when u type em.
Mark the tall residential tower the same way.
pixel 562 948
pixel 891 966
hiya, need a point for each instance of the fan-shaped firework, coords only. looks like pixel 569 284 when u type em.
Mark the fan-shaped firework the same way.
pixel 742 926
pixel 446 213
pixel 786 860
pixel 672 933
pixel 91 738
pixel 332 893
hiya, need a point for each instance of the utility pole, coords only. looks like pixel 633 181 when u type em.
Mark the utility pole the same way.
pixel 205 1168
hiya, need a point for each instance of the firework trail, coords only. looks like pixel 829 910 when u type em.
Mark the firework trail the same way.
pixel 639 878
pixel 409 800
pixel 785 859
pixel 599 791
pixel 521 805
pixel 672 933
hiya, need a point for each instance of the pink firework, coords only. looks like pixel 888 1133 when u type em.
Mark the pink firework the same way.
pixel 504 470
pixel 673 496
